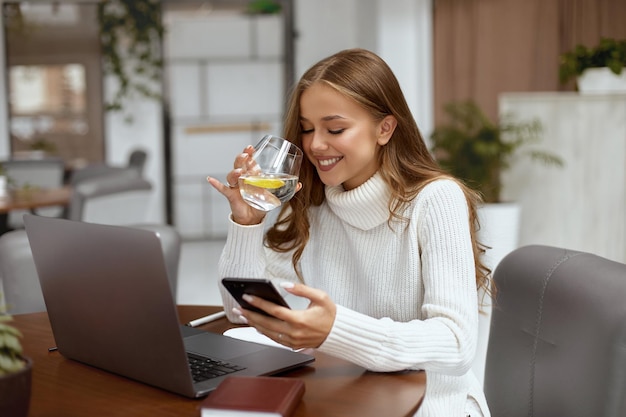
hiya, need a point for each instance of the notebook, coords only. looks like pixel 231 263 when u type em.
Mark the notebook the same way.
pixel 110 306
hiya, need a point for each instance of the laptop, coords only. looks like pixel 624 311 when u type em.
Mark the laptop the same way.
pixel 110 306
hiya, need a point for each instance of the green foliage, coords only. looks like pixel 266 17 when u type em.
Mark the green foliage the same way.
pixel 477 151
pixel 10 348
pixel 43 145
pixel 131 32
pixel 609 53
pixel 264 7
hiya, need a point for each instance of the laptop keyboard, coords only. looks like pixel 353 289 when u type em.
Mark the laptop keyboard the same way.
pixel 203 368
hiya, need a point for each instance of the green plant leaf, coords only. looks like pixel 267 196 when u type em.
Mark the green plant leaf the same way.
pixel 131 32
pixel 10 364
pixel 10 347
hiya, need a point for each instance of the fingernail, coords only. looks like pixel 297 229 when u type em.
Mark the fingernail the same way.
pixel 240 315
pixel 247 297
pixel 287 284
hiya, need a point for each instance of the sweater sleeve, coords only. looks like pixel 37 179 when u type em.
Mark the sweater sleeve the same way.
pixel 443 340
pixel 245 256
pixel 241 257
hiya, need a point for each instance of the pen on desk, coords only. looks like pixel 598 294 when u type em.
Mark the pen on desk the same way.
pixel 206 319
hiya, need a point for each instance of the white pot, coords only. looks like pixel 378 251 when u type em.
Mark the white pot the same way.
pixel 601 81
pixel 499 230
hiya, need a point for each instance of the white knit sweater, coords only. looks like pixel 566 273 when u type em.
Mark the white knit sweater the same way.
pixel 406 296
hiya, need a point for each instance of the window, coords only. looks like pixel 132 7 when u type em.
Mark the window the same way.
pixel 47 100
pixel 54 81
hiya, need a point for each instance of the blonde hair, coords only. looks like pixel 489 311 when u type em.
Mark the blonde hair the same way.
pixel 406 164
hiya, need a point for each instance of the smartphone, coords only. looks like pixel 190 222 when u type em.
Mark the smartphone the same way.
pixel 259 287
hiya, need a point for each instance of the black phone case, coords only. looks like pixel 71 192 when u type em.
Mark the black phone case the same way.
pixel 258 287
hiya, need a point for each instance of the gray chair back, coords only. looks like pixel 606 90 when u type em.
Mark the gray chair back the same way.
pixel 134 168
pixel 137 160
pixel 99 170
pixel 113 199
pixel 171 243
pixel 18 274
pixel 557 345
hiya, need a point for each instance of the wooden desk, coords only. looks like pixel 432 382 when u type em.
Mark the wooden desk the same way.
pixel 62 387
pixel 35 198
pixel 31 200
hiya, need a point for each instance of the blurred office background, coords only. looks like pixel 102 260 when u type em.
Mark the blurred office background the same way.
pixel 227 70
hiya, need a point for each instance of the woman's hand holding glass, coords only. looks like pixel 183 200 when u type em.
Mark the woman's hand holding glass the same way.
pixel 270 178
pixel 241 212
pixel 263 178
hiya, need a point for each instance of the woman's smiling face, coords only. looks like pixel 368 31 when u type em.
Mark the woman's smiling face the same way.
pixel 340 138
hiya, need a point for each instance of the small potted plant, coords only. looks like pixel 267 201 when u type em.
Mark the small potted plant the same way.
pixel 598 69
pixel 15 371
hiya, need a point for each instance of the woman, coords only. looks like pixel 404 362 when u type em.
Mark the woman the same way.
pixel 379 239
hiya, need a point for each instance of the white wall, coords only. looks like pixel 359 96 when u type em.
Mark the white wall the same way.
pixel 400 31
pixel 581 205
pixel 223 95
pixel 405 41
pixel 324 27
pixel 145 132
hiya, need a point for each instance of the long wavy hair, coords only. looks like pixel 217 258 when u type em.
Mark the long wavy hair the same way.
pixel 406 165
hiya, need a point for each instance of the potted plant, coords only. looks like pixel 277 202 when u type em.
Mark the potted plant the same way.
pixel 477 150
pixel 15 371
pixel 598 69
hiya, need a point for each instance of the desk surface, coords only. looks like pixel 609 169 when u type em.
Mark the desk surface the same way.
pixel 31 199
pixel 334 387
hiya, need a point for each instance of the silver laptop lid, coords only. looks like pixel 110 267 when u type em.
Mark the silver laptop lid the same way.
pixel 109 301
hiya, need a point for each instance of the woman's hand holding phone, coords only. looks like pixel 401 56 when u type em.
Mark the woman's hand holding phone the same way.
pixel 297 329
pixel 258 287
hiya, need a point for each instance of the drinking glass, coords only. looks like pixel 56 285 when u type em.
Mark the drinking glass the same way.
pixel 271 178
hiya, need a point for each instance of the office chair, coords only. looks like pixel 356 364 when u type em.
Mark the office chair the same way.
pixel 113 199
pixel 20 285
pixel 45 173
pixel 134 168
pixel 171 243
pixel 18 274
pixel 557 345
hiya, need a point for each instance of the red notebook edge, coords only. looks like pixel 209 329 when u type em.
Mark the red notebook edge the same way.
pixel 260 394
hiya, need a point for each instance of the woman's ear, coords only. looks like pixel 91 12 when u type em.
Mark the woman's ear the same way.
pixel 386 128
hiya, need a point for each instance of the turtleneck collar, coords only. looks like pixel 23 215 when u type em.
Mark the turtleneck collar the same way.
pixel 364 207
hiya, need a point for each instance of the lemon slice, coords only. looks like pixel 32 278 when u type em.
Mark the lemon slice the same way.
pixel 267 183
